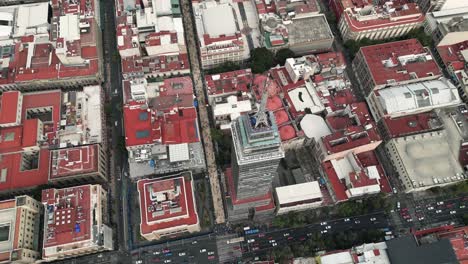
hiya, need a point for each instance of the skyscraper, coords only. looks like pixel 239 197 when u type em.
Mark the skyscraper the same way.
pixel 256 155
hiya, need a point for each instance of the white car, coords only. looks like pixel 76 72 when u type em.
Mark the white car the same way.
pixel 430 208
pixel 138 261
pixel 167 261
pixel 274 244
pixel 210 253
pixel 373 219
pixel 357 222
pixel 272 241
pixel 323 232
pixel 453 212
pixel 347 219
pixel 181 254
pixel 194 242
pixel 462 206
pixel 250 240
pixel 323 223
pixel 421 218
pixel 440 203
pixel 156 252
pixel 438 211
pixel 410 220
pixel 203 250
pixel 328 227
pixel 286 234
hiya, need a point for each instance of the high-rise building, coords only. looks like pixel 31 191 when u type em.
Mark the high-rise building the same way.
pixel 256 155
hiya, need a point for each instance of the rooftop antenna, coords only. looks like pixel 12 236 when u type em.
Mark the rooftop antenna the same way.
pixel 261 116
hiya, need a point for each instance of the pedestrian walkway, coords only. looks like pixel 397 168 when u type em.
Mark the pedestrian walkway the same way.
pixel 190 35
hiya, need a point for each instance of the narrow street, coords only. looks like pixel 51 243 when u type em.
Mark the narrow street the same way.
pixel 190 37
pixel 117 159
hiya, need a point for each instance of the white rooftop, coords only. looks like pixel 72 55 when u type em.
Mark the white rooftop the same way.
pixel 337 258
pixel 306 97
pixel 178 152
pixel 219 20
pixel 298 192
pixel 314 126
pixel 428 156
pixel 69 29
pixel 418 97
pixel 232 107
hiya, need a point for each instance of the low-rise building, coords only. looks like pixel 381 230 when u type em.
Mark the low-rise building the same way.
pixel 59 48
pixel 51 137
pixel 219 42
pixel 439 23
pixel 392 64
pixel 364 19
pixel 150 39
pixel 75 222
pixel 167 206
pixel 366 253
pixel 19 230
pixel 229 95
pixel 161 128
pixel 279 32
pixel 429 150
pixel 298 197
pixel 453 51
pixel 413 98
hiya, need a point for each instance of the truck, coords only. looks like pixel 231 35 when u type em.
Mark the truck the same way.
pixel 235 240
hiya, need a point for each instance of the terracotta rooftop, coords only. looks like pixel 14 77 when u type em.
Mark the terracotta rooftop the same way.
pixel 9 107
pixel 413 124
pixel 452 54
pixel 229 82
pixel 403 14
pixel 74 161
pixel 166 203
pixel 71 214
pixel 398 60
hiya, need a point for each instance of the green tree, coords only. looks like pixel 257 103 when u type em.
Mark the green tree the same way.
pixel 282 55
pixel 262 60
pixel 225 67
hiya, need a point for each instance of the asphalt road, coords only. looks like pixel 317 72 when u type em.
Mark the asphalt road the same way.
pixel 194 250
pixel 431 212
pixel 258 244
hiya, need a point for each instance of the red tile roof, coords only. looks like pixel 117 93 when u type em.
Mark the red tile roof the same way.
pixel 184 199
pixel 409 15
pixel 181 127
pixel 451 54
pixel 72 215
pixel 352 137
pixel 413 124
pixel 30 131
pixel 176 86
pixel 339 188
pixel 459 239
pixel 141 126
pixel 9 107
pixel 229 82
pixel 287 132
pixel 74 161
pixel 19 179
pixel 375 56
